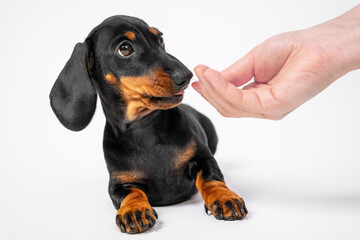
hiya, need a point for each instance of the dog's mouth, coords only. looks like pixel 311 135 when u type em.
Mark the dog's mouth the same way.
pixel 176 98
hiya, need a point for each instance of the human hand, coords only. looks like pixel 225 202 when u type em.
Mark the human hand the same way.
pixel 288 70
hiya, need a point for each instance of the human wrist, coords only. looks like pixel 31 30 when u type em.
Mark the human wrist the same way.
pixel 349 33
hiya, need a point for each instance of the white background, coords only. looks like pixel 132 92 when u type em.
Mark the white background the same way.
pixel 300 176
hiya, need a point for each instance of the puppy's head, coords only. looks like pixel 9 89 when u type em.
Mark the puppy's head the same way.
pixel 125 61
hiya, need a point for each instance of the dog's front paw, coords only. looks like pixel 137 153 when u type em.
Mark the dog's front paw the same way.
pixel 221 202
pixel 136 220
pixel 135 214
pixel 226 208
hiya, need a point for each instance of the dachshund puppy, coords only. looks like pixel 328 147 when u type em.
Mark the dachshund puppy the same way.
pixel 158 151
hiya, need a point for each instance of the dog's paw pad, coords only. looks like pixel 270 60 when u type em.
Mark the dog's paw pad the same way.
pixel 136 220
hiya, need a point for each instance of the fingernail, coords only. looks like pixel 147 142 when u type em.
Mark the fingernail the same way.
pixel 200 69
pixel 196 86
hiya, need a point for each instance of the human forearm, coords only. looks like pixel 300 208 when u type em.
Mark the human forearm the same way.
pixel 348 33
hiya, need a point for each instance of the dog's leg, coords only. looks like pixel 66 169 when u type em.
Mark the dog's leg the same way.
pixel 135 214
pixel 220 201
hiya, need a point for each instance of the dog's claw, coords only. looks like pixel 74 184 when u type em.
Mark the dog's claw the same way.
pixel 206 209
pixel 129 221
pixel 138 216
pixel 245 209
pixel 148 217
pixel 146 227
pixel 220 214
pixel 235 214
pixel 242 208
pixel 155 213
pixel 120 224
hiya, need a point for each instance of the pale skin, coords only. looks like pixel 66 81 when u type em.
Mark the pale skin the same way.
pixel 287 69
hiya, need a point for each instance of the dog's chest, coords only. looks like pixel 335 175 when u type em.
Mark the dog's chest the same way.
pixel 162 172
pixel 163 158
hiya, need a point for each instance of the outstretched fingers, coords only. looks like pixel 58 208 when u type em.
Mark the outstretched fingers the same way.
pixel 226 97
pixel 206 90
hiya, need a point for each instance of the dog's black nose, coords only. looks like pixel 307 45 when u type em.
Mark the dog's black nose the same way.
pixel 182 77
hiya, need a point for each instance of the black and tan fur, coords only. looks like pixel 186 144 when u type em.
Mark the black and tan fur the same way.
pixel 157 151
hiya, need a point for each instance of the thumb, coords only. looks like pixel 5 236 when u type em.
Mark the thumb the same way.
pixel 242 71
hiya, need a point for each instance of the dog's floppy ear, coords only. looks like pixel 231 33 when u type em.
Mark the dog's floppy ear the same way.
pixel 73 96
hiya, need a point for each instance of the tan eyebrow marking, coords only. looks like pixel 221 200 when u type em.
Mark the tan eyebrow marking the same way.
pixel 130 35
pixel 153 31
pixel 110 78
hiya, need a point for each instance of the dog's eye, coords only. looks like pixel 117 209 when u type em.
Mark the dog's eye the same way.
pixel 161 41
pixel 125 49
